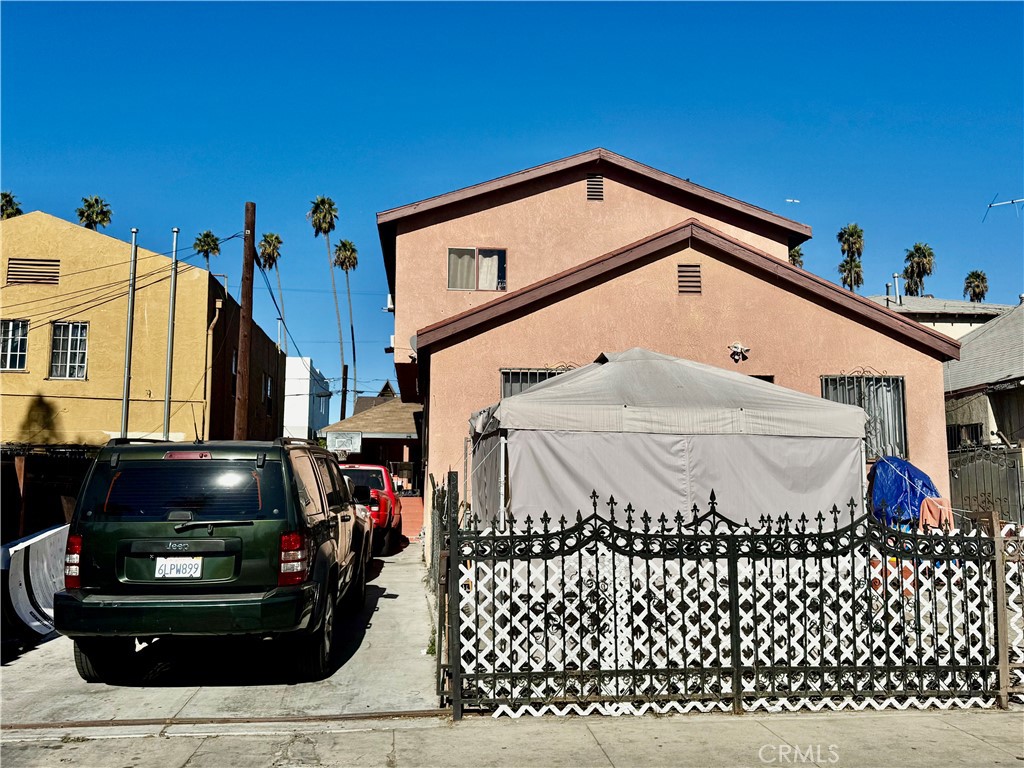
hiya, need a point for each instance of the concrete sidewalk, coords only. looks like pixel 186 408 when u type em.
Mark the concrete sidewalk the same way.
pixel 929 739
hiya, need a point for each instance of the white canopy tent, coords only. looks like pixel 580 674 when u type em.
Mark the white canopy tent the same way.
pixel 661 433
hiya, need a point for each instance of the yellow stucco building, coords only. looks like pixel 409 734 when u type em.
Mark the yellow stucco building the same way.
pixel 63 325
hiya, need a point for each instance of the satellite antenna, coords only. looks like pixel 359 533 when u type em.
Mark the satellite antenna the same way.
pixel 993 204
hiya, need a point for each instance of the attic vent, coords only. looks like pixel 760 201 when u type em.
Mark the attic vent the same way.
pixel 595 186
pixel 689 278
pixel 45 271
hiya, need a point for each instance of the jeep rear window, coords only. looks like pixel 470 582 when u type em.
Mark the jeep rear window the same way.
pixel 151 490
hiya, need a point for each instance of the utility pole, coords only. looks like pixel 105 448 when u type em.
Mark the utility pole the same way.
pixel 245 325
pixel 128 335
pixel 344 390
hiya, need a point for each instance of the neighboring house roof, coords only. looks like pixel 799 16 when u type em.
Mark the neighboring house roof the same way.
pixel 393 419
pixel 593 161
pixel 928 305
pixel 992 354
pixel 366 403
pixel 634 255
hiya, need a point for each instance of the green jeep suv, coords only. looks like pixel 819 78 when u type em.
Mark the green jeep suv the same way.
pixel 217 538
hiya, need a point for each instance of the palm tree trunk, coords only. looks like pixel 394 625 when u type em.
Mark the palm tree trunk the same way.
pixel 341 338
pixel 352 327
pixel 280 297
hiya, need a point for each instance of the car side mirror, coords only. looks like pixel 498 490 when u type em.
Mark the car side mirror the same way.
pixel 361 493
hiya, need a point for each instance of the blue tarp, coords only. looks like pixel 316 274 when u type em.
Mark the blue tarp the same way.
pixel 897 489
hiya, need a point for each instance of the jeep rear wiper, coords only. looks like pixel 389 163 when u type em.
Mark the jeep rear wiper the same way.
pixel 211 524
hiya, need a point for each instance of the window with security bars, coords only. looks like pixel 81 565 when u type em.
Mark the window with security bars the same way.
pixel 13 345
pixel 516 380
pixel 883 398
pixel 688 278
pixel 69 350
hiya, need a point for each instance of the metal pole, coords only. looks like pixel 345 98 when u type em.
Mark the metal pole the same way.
pixel 170 336
pixel 454 612
pixel 128 335
pixel 1002 611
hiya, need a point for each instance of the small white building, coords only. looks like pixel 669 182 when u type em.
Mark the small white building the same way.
pixel 307 399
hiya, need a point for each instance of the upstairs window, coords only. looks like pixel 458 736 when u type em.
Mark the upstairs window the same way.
pixel 13 345
pixel 476 269
pixel 68 353
pixel 883 398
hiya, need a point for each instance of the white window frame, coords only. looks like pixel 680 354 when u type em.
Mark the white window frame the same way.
pixel 77 343
pixel 14 345
pixel 502 285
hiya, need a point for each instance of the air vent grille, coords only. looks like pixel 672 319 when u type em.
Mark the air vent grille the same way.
pixel 595 186
pixel 689 278
pixel 46 271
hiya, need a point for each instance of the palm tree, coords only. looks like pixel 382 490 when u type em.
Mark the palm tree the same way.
pixel 9 207
pixel 920 262
pixel 796 257
pixel 852 273
pixel 322 216
pixel 976 284
pixel 270 253
pixel 208 245
pixel 851 243
pixel 347 257
pixel 95 212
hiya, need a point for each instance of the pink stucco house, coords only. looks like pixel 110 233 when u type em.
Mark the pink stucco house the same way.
pixel 499 284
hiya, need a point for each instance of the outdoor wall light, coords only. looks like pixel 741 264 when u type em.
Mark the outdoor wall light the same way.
pixel 738 352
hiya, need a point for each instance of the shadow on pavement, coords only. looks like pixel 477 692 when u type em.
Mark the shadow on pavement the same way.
pixel 240 661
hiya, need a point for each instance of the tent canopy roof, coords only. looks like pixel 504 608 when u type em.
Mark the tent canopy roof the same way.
pixel 643 391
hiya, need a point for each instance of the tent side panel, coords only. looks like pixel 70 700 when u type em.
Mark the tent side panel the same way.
pixel 556 472
pixel 754 475
pixel 486 476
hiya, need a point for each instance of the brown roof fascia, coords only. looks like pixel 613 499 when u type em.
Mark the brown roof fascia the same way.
pixel 863 309
pixel 387 220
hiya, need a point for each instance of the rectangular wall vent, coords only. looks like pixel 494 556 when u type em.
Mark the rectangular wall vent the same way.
pixel 595 186
pixel 689 278
pixel 45 271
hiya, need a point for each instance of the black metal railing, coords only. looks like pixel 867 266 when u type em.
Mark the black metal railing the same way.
pixel 620 611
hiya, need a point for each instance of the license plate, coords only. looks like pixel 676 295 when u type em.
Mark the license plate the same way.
pixel 179 567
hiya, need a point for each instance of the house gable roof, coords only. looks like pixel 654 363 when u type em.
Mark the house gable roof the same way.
pixel 691 231
pixel 592 161
pixel 992 354
pixel 393 418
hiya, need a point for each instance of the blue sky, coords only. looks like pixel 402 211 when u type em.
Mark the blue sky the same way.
pixel 905 118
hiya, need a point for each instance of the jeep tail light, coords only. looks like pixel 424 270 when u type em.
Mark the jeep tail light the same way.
pixel 294 559
pixel 72 562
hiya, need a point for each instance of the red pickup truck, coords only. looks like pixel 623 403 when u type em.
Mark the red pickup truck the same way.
pixel 375 489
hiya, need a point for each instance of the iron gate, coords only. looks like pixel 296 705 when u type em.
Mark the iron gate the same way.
pixel 982 480
pixel 617 612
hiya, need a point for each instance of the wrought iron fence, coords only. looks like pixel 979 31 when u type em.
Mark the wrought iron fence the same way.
pixel 621 612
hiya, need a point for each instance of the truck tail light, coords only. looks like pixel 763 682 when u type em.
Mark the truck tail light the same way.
pixel 294 559
pixel 73 562
pixel 374 504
